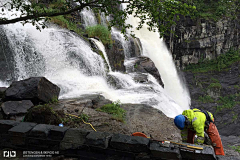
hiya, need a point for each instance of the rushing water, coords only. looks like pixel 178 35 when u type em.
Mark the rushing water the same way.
pixel 88 17
pixel 156 50
pixel 68 61
pixel 102 48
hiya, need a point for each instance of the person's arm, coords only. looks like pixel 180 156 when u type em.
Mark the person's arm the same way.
pixel 199 128
pixel 184 135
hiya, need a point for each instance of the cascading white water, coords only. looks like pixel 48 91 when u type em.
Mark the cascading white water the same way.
pixel 68 61
pixel 88 17
pixel 3 84
pixel 118 35
pixel 102 48
pixel 156 50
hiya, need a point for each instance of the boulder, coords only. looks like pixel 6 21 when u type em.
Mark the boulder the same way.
pixel 116 56
pixel 42 114
pixel 36 89
pixel 13 108
pixel 146 65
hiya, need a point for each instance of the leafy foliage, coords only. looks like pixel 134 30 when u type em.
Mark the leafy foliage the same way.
pixel 218 64
pixel 214 10
pixel 151 12
pixel 84 117
pixel 101 32
pixel 54 100
pixel 115 110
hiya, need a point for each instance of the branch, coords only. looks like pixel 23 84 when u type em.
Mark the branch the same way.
pixel 28 17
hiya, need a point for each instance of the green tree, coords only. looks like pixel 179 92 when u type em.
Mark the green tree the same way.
pixel 158 14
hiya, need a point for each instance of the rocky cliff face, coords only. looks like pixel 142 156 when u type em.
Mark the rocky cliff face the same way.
pixel 201 39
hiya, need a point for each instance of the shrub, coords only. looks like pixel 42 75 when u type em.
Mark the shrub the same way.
pixel 101 32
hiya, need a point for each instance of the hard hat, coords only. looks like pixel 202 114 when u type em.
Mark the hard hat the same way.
pixel 180 121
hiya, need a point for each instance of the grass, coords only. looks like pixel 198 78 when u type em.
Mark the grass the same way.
pixel 236 148
pixel 84 117
pixel 220 63
pixel 235 117
pixel 115 110
pixel 64 22
pixel 206 99
pixel 215 85
pixel 227 102
pixel 101 32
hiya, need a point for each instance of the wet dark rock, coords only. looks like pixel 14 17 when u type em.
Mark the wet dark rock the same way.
pixel 36 89
pixel 116 56
pixel 145 65
pixel 2 90
pixel 134 47
pixel 98 139
pixel 129 143
pixel 16 108
pixel 140 77
pixel 86 101
pixel 113 81
pixel 73 138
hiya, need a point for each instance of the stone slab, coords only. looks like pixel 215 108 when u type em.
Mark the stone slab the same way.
pixel 73 138
pixel 98 139
pixel 129 143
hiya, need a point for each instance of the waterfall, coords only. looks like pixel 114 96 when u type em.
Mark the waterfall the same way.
pixel 68 61
pixel 88 17
pixel 156 50
pixel 102 48
pixel 118 35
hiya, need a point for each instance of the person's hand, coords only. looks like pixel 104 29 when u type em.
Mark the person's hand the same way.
pixel 200 140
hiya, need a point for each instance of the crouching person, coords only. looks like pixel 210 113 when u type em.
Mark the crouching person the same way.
pixel 195 121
